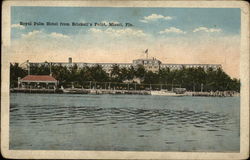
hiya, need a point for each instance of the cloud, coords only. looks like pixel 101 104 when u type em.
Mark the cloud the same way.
pixel 208 30
pixel 157 16
pixel 119 32
pixel 172 30
pixel 143 21
pixel 40 34
pixel 95 30
pixel 154 17
pixel 58 35
pixel 31 34
pixel 17 26
pixel 104 45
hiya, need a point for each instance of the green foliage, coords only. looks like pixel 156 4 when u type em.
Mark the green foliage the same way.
pixel 193 79
pixel 98 74
pixel 140 72
pixel 15 72
pixel 40 70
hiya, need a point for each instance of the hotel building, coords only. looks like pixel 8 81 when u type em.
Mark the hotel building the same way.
pixel 150 64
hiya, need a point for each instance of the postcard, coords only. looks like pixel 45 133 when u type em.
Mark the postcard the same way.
pixel 125 80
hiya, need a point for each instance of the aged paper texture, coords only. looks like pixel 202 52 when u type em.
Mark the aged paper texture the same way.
pixel 125 80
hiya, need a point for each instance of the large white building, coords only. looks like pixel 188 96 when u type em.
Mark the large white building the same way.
pixel 150 64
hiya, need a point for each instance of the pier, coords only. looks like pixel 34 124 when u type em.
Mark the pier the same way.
pixel 35 90
pixel 105 91
pixel 213 94
pixel 80 91
pixel 117 91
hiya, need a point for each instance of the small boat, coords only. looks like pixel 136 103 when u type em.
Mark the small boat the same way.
pixel 166 93
pixel 75 91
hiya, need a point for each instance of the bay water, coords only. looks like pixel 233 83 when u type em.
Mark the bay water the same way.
pixel 124 123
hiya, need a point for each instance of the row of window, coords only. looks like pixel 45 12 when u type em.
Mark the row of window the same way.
pixel 189 66
pixel 146 62
pixel 128 65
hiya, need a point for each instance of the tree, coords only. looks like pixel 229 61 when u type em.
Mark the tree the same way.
pixel 98 74
pixel 131 73
pixel 115 73
pixel 124 74
pixel 15 72
pixel 61 73
pixel 140 72
pixel 151 78
pixel 190 78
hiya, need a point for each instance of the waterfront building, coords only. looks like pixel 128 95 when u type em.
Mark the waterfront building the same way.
pixel 150 64
pixel 38 82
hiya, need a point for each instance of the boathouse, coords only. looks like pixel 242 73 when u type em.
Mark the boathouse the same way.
pixel 38 82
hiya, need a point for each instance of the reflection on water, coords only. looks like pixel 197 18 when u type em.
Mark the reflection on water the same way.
pixel 97 127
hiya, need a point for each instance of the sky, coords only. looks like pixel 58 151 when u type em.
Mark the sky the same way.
pixel 172 35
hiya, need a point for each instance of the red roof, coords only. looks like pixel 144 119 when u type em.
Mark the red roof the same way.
pixel 38 78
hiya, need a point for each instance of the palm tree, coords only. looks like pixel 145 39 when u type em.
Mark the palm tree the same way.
pixel 15 72
pixel 140 72
pixel 98 74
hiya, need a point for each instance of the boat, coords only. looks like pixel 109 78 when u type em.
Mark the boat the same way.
pixel 166 93
pixel 75 91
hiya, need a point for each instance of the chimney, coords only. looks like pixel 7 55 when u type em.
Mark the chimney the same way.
pixel 70 60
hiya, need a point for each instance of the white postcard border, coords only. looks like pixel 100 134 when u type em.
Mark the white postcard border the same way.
pixel 50 154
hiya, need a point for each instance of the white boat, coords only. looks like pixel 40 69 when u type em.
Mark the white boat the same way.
pixel 75 90
pixel 166 93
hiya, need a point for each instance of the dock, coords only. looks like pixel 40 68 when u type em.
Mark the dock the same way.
pixel 213 94
pixel 35 90
pixel 80 91
pixel 117 91
pixel 106 91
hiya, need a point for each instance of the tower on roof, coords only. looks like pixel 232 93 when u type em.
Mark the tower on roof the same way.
pixel 149 64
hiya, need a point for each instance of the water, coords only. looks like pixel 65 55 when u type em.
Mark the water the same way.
pixel 124 123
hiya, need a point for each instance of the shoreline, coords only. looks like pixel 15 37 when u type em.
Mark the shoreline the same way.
pixel 126 92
